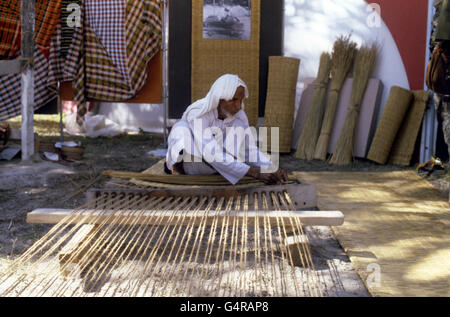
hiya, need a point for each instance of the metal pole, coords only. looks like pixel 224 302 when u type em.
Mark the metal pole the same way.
pixel 61 130
pixel 27 80
pixel 165 50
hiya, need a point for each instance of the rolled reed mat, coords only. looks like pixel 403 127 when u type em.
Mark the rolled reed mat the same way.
pixel 393 114
pixel 403 148
pixel 280 102
pixel 158 169
pixel 185 180
pixel 212 58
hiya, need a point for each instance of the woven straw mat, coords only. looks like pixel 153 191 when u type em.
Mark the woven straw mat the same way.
pixel 396 229
pixel 280 102
pixel 403 147
pixel 158 169
pixel 394 112
pixel 212 58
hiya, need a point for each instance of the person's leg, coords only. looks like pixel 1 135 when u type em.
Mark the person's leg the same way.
pixel 180 142
pixel 445 117
pixel 441 145
pixel 198 168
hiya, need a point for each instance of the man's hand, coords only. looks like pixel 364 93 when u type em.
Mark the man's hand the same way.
pixel 3 127
pixel 279 176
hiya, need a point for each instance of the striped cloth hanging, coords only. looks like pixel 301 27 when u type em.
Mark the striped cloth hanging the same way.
pixel 10 89
pixel 90 64
pixel 79 55
pixel 47 15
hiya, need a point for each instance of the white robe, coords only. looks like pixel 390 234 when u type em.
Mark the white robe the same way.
pixel 195 142
pixel 188 136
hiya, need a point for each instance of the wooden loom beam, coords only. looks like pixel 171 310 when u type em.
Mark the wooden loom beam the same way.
pixel 10 67
pixel 307 218
pixel 70 253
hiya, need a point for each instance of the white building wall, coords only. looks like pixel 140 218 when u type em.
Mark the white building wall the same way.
pixel 311 27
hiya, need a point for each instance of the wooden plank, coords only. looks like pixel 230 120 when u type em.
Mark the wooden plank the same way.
pixel 27 52
pixel 303 196
pixel 70 253
pixel 297 246
pixel 75 242
pixel 10 67
pixel 17 135
pixel 170 217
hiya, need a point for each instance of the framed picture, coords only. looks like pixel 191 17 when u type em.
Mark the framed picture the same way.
pixel 227 19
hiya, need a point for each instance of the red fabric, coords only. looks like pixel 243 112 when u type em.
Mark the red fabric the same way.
pixel 47 14
pixel 408 22
pixel 9 29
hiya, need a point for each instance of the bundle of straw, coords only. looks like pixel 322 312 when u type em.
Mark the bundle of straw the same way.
pixel 364 64
pixel 344 52
pixel 314 116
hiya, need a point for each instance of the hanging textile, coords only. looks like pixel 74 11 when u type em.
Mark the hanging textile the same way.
pixel 68 24
pixel 10 89
pixel 108 24
pixel 47 15
pixel 9 29
pixel 57 63
pixel 99 66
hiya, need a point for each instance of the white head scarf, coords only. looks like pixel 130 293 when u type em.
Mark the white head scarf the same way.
pixel 223 88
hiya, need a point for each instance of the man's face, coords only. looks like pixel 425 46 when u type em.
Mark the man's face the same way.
pixel 229 108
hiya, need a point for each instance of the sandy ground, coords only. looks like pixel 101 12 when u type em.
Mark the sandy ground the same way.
pixel 37 184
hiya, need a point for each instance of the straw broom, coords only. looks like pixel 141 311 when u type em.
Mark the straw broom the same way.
pixel 364 64
pixel 314 116
pixel 344 52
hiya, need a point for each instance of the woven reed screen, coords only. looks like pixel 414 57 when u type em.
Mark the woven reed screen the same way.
pixel 391 120
pixel 280 102
pixel 212 58
pixel 403 148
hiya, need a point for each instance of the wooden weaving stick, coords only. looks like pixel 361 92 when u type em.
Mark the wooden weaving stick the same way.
pixel 307 217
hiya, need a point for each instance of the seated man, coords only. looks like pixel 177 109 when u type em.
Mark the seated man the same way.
pixel 196 142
